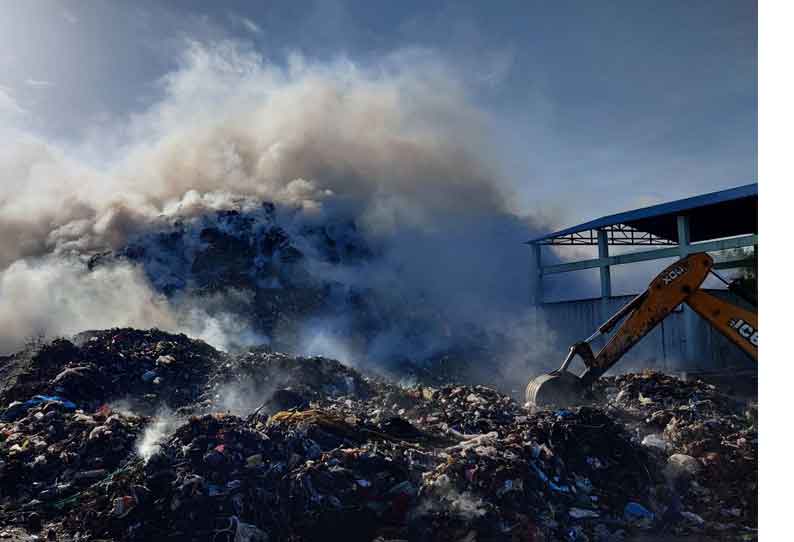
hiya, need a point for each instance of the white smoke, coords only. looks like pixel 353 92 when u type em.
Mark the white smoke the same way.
pixel 398 146
pixel 319 339
pixel 52 296
pixel 400 143
pixel 163 425
pixel 216 320
pixel 443 497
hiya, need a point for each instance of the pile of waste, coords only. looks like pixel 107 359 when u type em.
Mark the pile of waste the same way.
pixel 145 367
pixel 51 452
pixel 276 381
pixel 159 437
pixel 709 440
pixel 256 271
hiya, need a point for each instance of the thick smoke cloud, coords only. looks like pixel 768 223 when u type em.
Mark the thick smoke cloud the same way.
pixel 400 143
pixel 58 296
pixel 45 296
pixel 398 146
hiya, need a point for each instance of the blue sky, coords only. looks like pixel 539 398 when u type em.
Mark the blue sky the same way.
pixel 598 106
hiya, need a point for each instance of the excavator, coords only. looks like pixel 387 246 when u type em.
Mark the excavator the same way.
pixel 678 283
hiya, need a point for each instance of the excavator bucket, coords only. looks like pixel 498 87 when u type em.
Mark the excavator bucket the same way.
pixel 679 283
pixel 559 388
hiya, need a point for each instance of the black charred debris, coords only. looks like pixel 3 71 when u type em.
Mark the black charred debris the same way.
pixel 313 450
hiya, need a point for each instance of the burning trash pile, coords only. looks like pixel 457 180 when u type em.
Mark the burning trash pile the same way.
pixel 154 436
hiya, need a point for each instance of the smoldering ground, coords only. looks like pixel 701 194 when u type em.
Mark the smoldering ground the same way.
pixel 397 146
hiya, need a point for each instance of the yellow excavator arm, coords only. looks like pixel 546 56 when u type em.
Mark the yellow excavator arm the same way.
pixel 737 324
pixel 678 283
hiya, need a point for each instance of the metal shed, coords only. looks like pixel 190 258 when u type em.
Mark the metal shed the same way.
pixel 716 221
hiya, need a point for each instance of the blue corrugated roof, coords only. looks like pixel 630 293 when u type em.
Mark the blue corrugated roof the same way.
pixel 671 209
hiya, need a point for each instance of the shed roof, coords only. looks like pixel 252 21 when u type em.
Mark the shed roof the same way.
pixel 715 215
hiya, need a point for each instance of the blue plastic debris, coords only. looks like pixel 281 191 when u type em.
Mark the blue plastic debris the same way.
pixel 541 474
pixel 54 399
pixel 556 487
pixel 634 511
pixel 559 488
pixel 562 413
pixel 16 411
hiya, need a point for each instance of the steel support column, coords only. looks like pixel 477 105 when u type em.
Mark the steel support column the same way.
pixel 683 236
pixel 690 318
pixel 603 254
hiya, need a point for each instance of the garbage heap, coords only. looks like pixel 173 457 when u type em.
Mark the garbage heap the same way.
pixel 320 451
pixel 707 440
pixel 148 369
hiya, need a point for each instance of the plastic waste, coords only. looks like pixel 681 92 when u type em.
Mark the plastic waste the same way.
pixel 17 409
pixel 634 511
pixel 656 442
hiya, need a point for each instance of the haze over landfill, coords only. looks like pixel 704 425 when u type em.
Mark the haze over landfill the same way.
pixel 263 273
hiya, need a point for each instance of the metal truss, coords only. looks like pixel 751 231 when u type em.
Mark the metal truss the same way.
pixel 617 234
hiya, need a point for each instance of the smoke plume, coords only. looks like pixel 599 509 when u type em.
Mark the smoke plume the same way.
pixel 398 147
pixel 162 426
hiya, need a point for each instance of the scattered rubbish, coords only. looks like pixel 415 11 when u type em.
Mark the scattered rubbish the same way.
pixel 712 453
pixel 321 451
pixel 693 518
pixel 123 505
pixel 580 513
pixel 682 463
pixel 655 441
pixel 18 409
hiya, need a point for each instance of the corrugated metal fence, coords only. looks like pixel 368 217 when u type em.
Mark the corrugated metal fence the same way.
pixel 682 342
